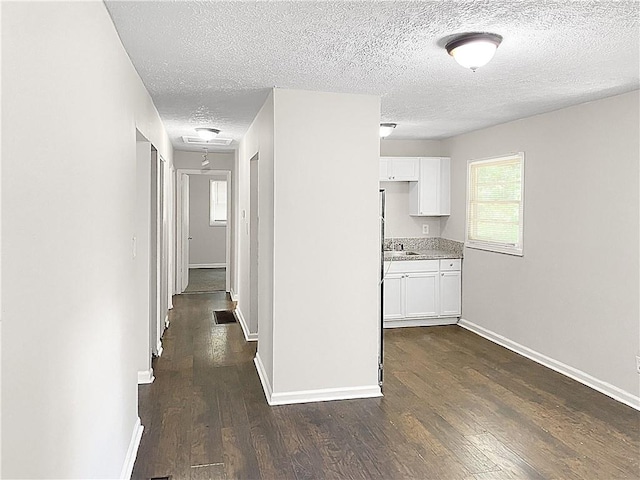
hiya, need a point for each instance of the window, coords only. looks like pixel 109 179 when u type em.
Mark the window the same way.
pixel 217 203
pixel 495 204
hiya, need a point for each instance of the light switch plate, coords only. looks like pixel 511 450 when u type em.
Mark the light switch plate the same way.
pixel 638 363
pixel 425 229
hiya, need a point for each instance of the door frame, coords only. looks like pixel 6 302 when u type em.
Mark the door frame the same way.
pixel 179 233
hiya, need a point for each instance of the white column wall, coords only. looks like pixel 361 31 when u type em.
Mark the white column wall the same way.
pixel 325 301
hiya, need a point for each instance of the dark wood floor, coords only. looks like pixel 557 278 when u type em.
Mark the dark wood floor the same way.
pixel 456 406
pixel 206 280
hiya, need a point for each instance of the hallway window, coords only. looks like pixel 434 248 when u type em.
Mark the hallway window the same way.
pixel 218 203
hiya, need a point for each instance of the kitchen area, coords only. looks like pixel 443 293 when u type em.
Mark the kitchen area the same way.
pixel 422 273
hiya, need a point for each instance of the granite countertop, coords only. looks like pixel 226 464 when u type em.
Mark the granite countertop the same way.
pixel 432 248
pixel 432 254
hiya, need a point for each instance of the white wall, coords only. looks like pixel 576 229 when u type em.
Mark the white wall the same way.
pixel 209 243
pixel 398 222
pixel 193 160
pixel 410 148
pixel 69 393
pixel 258 139
pixel 574 295
pixel 325 304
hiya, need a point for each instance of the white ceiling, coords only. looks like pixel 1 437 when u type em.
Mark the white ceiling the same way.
pixel 213 63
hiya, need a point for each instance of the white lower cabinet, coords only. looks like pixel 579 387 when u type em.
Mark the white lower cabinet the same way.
pixel 422 292
pixel 393 296
pixel 450 293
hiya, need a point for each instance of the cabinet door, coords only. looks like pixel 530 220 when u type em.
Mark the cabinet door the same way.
pixel 429 196
pixel 405 169
pixel 450 293
pixel 393 296
pixel 421 294
pixel 385 173
pixel 424 196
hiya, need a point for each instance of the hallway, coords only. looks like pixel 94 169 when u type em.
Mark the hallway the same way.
pixel 456 406
pixel 206 280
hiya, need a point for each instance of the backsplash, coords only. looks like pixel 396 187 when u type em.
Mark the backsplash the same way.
pixel 425 243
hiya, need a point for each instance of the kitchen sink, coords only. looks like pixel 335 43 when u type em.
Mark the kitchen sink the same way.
pixel 400 253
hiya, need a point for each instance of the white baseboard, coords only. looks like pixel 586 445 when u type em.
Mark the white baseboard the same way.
pixel 262 374
pixel 248 336
pixel 307 396
pixel 578 375
pixel 420 322
pixel 145 377
pixel 207 265
pixel 234 295
pixel 325 395
pixel 132 452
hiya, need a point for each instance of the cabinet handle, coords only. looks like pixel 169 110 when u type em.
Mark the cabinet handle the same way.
pixel 442 274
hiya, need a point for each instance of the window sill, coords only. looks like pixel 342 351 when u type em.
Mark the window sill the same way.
pixel 517 252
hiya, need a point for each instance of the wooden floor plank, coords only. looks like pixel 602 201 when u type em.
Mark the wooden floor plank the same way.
pixel 455 406
pixel 208 472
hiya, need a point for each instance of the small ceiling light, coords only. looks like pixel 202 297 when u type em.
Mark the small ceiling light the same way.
pixel 386 129
pixel 205 160
pixel 207 133
pixel 473 50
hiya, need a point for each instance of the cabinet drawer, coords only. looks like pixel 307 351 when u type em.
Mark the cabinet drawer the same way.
pixel 407 266
pixel 447 264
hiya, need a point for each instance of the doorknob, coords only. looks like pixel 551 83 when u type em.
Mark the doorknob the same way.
pixel 190 238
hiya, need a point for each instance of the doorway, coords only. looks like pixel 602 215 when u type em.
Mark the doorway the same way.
pixel 204 231
pixel 151 253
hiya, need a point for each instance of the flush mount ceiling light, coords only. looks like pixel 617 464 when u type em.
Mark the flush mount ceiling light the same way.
pixel 207 133
pixel 386 129
pixel 473 50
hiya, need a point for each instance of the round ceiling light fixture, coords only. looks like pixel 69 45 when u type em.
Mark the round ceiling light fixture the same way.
pixel 474 50
pixel 386 129
pixel 207 133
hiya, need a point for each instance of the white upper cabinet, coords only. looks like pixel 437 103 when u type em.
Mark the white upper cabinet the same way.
pixel 430 195
pixel 399 169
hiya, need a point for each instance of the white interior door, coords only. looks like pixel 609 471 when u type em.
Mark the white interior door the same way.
pixel 154 249
pixel 254 221
pixel 184 263
pixel 164 247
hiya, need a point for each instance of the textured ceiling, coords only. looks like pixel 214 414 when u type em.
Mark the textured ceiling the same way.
pixel 213 63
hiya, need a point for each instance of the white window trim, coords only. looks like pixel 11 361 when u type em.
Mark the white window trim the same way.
pixel 217 223
pixel 518 249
